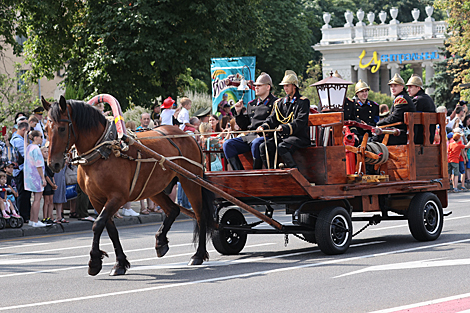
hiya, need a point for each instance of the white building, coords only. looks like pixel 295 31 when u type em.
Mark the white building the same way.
pixel 375 52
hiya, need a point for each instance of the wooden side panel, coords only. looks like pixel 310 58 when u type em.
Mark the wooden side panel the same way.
pixel 370 203
pixel 247 160
pixel 312 164
pixel 398 170
pixel 325 118
pixel 428 162
pixel 336 165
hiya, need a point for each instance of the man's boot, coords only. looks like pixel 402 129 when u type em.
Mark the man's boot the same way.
pixel 288 160
pixel 257 163
pixel 236 163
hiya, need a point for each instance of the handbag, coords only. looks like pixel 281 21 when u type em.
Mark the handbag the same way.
pixel 71 192
pixel 216 165
pixel 71 175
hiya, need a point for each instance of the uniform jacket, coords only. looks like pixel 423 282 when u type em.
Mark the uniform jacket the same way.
pixel 423 103
pixel 255 113
pixel 401 104
pixel 367 111
pixel 296 131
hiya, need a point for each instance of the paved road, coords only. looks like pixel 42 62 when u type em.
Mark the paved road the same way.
pixel 385 268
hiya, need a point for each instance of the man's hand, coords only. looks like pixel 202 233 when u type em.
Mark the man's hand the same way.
pixel 260 129
pixel 239 106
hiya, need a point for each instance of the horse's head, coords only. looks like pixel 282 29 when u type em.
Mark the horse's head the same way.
pixel 60 132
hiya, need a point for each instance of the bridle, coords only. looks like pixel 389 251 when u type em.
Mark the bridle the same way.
pixel 69 121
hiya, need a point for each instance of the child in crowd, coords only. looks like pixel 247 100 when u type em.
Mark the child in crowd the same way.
pixel 5 204
pixel 183 116
pixel 8 169
pixel 453 154
pixel 48 192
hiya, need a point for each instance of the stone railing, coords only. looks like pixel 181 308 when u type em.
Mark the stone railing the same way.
pixel 392 31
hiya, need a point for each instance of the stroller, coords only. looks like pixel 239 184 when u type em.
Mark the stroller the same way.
pixel 13 221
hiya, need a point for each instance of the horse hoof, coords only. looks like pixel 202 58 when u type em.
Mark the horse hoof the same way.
pixel 117 271
pixel 162 250
pixel 195 261
pixel 92 271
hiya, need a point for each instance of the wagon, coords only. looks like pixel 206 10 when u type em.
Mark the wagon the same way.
pixel 323 196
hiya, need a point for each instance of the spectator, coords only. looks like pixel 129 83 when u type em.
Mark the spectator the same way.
pixel 214 121
pixel 456 118
pixel 32 121
pixel 169 112
pixel 38 112
pixel 210 143
pixel 24 196
pixel 383 111
pixel 8 153
pixel 48 193
pixel 203 115
pixel 5 204
pixel 59 197
pixel 8 169
pixel 183 116
pixel 144 122
pixel 453 155
pixel 155 116
pixel 34 179
pixel 220 106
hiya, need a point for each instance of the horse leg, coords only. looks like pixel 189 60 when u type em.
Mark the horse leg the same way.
pixel 96 255
pixel 122 264
pixel 171 212
pixel 202 203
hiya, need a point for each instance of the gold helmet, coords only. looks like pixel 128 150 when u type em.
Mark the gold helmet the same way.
pixel 397 80
pixel 360 86
pixel 264 79
pixel 337 75
pixel 415 80
pixel 290 78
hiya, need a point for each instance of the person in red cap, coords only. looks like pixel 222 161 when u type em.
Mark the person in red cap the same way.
pixel 168 112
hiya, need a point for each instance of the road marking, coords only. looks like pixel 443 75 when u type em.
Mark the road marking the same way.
pixel 409 265
pixel 406 225
pixel 22 246
pixel 431 302
pixel 52 250
pixel 222 278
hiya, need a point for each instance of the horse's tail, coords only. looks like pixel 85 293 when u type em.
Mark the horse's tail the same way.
pixel 207 214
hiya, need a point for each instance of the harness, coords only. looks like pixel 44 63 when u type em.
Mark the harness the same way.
pixel 108 143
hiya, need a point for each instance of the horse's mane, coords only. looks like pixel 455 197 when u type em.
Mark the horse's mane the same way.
pixel 86 117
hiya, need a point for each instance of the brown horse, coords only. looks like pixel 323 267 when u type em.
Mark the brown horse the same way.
pixel 108 182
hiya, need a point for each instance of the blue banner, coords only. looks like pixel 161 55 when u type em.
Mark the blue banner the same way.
pixel 227 70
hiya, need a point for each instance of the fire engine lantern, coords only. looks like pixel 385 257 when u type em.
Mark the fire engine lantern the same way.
pixel 332 93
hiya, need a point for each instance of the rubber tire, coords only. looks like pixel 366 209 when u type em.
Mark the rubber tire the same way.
pixel 333 240
pixel 19 222
pixel 228 242
pixel 3 223
pixel 425 217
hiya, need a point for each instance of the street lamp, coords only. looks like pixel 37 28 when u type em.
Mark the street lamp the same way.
pixel 332 93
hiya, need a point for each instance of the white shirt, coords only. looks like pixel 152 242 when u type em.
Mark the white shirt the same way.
pixel 167 116
pixel 183 118
pixel 40 128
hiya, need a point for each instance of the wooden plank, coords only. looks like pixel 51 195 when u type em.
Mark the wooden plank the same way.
pixel 411 146
pixel 398 174
pixel 336 165
pixel 246 159
pixel 257 183
pixel 325 118
pixel 370 203
pixel 312 163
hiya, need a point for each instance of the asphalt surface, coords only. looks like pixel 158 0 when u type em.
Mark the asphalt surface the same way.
pixel 385 270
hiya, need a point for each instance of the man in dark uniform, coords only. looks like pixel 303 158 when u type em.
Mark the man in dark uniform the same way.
pixel 203 114
pixel 290 119
pixel 250 118
pixel 401 104
pixel 423 103
pixel 367 111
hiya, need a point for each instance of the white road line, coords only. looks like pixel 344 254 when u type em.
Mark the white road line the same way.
pixel 27 245
pixel 52 250
pixel 406 225
pixel 222 278
pixel 416 305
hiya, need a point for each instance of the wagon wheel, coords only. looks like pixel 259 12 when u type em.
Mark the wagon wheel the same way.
pixel 333 230
pixel 3 223
pixel 14 222
pixel 226 241
pixel 425 218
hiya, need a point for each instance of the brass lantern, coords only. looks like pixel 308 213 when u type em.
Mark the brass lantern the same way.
pixel 332 93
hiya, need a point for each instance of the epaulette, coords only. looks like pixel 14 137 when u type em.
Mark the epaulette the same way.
pixel 374 102
pixel 399 100
pixel 277 100
pixel 303 98
pixel 350 99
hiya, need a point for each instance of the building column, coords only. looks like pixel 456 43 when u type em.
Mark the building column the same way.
pixel 429 74
pixel 384 79
pixel 394 69
pixel 417 69
pixel 373 81
pixel 362 74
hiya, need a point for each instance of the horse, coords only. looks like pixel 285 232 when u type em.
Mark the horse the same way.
pixel 112 179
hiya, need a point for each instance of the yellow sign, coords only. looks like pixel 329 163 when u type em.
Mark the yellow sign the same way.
pixel 374 59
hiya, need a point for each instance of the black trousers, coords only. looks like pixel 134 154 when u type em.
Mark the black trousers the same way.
pixel 24 197
pixel 282 148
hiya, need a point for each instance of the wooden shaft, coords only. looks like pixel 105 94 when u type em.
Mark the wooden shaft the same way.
pixel 198 180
